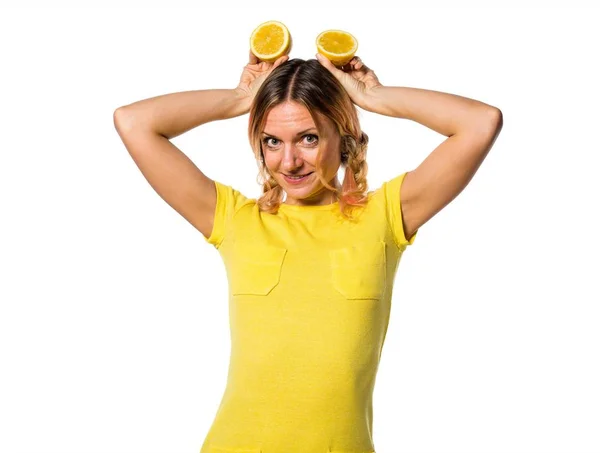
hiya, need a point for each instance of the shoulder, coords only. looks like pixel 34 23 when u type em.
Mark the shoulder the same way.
pixel 392 200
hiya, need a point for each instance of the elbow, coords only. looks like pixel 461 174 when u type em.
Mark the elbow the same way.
pixel 494 125
pixel 118 114
pixel 498 122
pixel 495 118
pixel 121 118
pixel 490 121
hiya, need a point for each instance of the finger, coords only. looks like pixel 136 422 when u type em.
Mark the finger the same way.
pixel 253 59
pixel 280 61
pixel 353 65
pixel 357 63
pixel 329 65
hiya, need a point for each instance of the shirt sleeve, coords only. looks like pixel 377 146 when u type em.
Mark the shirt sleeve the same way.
pixel 391 190
pixel 228 201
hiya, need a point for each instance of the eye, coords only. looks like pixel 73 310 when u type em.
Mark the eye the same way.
pixel 266 141
pixel 316 139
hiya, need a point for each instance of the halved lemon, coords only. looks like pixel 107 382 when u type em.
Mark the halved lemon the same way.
pixel 270 40
pixel 337 46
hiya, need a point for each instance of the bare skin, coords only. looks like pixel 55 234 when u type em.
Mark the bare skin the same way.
pixel 146 128
pixel 290 143
pixel 471 127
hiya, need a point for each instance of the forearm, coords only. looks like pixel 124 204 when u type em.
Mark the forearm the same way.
pixel 444 113
pixel 173 114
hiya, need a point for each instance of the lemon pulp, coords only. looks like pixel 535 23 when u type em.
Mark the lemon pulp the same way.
pixel 270 40
pixel 337 45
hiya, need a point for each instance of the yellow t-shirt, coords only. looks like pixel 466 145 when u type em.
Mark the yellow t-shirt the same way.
pixel 309 304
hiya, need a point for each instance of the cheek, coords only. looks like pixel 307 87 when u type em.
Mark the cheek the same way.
pixel 268 157
pixel 330 158
pixel 271 163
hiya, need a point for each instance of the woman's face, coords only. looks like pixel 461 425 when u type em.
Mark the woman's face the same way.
pixel 290 142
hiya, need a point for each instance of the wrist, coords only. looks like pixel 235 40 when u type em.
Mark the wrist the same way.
pixel 243 101
pixel 374 99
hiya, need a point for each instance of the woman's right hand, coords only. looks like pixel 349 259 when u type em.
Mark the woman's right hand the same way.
pixel 254 74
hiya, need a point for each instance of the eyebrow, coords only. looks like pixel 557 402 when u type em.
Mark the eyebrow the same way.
pixel 297 135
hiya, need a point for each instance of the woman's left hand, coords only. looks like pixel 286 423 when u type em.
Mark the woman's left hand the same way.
pixel 359 81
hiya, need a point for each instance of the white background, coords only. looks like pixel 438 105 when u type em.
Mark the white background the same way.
pixel 113 318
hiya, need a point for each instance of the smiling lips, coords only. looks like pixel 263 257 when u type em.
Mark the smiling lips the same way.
pixel 295 179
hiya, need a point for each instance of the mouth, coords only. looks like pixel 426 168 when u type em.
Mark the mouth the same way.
pixel 296 179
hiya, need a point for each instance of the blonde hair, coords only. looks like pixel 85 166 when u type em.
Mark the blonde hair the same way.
pixel 308 83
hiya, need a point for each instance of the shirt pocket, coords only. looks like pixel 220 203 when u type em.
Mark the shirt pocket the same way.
pixel 359 271
pixel 255 269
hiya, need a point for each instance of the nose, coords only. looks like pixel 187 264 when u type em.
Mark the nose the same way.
pixel 292 158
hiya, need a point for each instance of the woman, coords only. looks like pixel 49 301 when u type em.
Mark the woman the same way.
pixel 310 276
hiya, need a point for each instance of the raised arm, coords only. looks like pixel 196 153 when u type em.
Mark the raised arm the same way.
pixel 146 127
pixel 471 127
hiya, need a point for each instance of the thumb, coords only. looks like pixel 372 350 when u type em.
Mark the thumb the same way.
pixel 280 61
pixel 330 66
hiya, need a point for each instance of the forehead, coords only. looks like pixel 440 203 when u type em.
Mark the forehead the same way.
pixel 292 116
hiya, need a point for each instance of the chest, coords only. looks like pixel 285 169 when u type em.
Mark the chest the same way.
pixel 352 271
